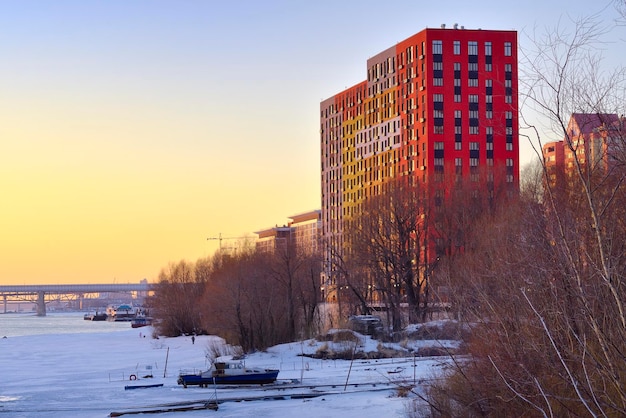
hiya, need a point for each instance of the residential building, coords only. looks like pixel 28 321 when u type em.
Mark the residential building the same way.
pixel 302 234
pixel 273 239
pixel 439 106
pixel 593 141
pixel 307 231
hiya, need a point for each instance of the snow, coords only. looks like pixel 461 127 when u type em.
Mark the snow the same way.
pixel 84 375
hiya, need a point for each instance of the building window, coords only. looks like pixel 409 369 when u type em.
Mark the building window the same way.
pixel 438 198
pixel 472 48
pixel 437 47
pixel 487 48
pixel 474 146
pixel 458 145
pixel 457 98
pixel 473 98
pixel 472 82
pixel 507 49
pixel 438 145
pixel 473 162
pixel 509 146
pixel 457 47
pixel 438 162
pixel 473 130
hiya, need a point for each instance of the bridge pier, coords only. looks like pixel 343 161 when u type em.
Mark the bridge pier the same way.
pixel 5 303
pixel 41 304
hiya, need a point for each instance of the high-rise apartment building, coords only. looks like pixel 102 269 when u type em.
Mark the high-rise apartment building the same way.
pixel 439 106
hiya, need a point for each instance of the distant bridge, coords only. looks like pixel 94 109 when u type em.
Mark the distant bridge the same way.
pixel 41 290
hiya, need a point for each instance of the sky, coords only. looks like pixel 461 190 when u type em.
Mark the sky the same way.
pixel 132 131
pixel 83 374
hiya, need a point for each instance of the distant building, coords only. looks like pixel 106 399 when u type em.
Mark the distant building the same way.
pixel 593 143
pixel 274 239
pixel 307 231
pixel 303 233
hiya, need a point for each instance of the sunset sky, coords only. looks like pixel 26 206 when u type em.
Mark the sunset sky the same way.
pixel 131 131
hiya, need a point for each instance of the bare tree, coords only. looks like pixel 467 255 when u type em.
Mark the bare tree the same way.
pixel 546 279
pixel 175 301
pixel 296 271
pixel 586 229
pixel 389 241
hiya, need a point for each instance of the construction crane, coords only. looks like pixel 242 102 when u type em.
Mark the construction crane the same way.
pixel 220 238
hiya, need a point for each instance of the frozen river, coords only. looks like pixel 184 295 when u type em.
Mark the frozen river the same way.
pixel 62 366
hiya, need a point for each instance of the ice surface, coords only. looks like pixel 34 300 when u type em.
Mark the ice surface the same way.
pixel 84 375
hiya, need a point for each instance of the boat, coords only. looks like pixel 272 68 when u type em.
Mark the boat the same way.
pixel 99 317
pixel 229 373
pixel 140 321
pixel 95 317
pixel 121 313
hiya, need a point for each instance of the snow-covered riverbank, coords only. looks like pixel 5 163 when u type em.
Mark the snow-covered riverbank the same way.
pixel 84 375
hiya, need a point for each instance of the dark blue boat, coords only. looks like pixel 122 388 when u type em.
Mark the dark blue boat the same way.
pixel 229 373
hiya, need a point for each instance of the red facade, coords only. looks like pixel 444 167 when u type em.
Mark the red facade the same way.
pixel 438 107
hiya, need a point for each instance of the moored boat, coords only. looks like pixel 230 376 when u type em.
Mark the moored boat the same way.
pixel 99 317
pixel 122 312
pixel 229 373
pixel 95 316
pixel 140 321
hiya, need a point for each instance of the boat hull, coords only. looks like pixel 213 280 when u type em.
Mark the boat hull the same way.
pixel 269 376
